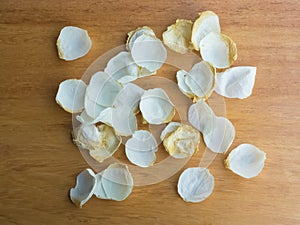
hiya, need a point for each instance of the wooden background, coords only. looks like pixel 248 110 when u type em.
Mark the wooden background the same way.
pixel 39 163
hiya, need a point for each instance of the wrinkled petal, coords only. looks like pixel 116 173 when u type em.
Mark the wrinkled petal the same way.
pixel 236 82
pixel 177 36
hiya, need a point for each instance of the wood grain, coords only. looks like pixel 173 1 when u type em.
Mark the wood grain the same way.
pixel 39 163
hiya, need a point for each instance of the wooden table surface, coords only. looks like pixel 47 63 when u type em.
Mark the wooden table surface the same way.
pixel 39 163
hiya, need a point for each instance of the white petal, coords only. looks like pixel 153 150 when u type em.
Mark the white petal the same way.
pixel 142 158
pixel 124 120
pixel 156 107
pixel 141 141
pixel 133 35
pixel 99 190
pixel 117 182
pixel 73 43
pixel 149 52
pixel 195 184
pixel 236 82
pixel 101 141
pixel 70 95
pixel 84 189
pixel 140 148
pixel 171 127
pixel 201 79
pixel 102 89
pixel 201 116
pixel 177 36
pixel 183 87
pixel 130 95
pixel 183 142
pixel 218 49
pixel 92 109
pixel 207 22
pixel 122 68
pixel 246 160
pixel 220 136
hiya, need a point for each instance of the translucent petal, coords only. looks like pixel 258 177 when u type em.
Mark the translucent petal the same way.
pixel 156 107
pixel 236 82
pixel 149 52
pixel 99 190
pixel 171 127
pixel 70 95
pixel 102 89
pixel 177 36
pixel 218 49
pixel 201 79
pixel 101 141
pixel 133 35
pixel 141 141
pixel 201 116
pixel 140 148
pixel 130 95
pixel 124 120
pixel 183 142
pixel 73 43
pixel 219 137
pixel 246 160
pixel 195 184
pixel 84 189
pixel 92 109
pixel 122 68
pixel 117 182
pixel 183 87
pixel 207 22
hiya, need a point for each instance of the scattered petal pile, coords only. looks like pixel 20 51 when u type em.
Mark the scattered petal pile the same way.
pixel 107 107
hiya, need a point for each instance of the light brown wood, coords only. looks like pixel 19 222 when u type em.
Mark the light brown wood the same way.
pixel 39 163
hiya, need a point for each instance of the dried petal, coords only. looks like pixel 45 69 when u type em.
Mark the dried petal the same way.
pixel 171 127
pixel 133 35
pixel 84 189
pixel 207 22
pixel 236 82
pixel 177 36
pixel 117 182
pixel 122 68
pixel 70 95
pixel 183 142
pixel 220 135
pixel 195 184
pixel 148 52
pixel 201 116
pixel 246 160
pixel 156 107
pixel 201 80
pixel 101 141
pixel 140 148
pixel 218 49
pixel 73 43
